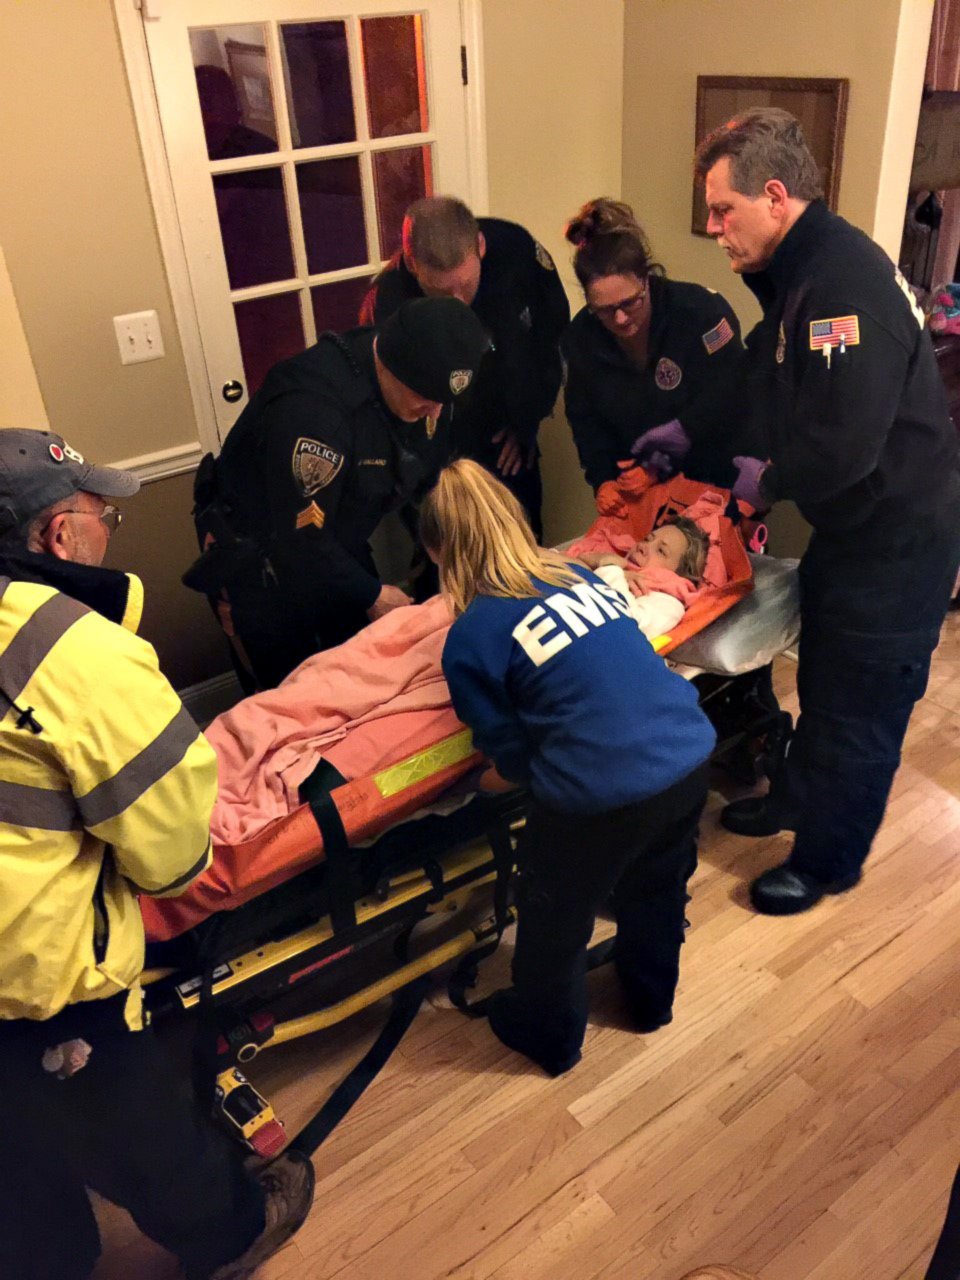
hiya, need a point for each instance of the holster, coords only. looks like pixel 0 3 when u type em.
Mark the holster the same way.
pixel 228 561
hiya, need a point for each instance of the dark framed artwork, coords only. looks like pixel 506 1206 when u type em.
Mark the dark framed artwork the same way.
pixel 820 104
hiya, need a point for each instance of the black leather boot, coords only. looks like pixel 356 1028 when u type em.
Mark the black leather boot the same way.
pixel 781 891
pixel 752 816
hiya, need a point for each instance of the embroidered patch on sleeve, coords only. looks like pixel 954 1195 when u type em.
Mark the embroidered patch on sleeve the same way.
pixel 543 257
pixel 311 515
pixel 314 465
pixel 718 336
pixel 839 331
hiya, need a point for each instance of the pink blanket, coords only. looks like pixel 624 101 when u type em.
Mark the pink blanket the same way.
pixel 362 706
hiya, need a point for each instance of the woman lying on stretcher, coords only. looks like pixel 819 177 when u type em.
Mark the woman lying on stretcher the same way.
pixel 662 572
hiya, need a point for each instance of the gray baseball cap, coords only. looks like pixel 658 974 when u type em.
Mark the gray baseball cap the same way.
pixel 38 468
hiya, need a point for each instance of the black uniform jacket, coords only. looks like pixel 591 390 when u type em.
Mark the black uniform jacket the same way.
pixel 694 356
pixel 860 439
pixel 523 306
pixel 313 464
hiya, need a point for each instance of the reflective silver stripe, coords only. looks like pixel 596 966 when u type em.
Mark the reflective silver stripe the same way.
pixel 154 761
pixel 38 807
pixel 28 648
pixel 181 881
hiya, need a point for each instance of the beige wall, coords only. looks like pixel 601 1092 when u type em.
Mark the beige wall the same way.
pixel 667 45
pixel 77 227
pixel 78 232
pixel 879 45
pixel 554 98
pixel 157 542
pixel 21 404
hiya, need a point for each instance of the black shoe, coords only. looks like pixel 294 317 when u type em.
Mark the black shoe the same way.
pixel 504 1014
pixel 645 1018
pixel 647 1023
pixel 753 816
pixel 781 891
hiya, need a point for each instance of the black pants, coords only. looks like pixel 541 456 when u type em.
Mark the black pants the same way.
pixel 945 1263
pixel 526 486
pixel 569 865
pixel 124 1125
pixel 867 636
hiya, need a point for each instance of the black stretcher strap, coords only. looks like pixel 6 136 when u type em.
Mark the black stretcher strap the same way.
pixel 406 1005
pixel 341 867
pixel 467 972
pixel 464 977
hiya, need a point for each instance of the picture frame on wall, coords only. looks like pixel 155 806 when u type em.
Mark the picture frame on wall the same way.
pixel 819 103
pixel 249 73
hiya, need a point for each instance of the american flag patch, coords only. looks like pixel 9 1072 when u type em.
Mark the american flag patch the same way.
pixel 832 331
pixel 718 336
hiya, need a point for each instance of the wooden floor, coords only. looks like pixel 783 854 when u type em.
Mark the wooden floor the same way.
pixel 800 1118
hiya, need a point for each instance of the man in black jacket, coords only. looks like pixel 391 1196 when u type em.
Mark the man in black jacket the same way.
pixel 511 283
pixel 337 437
pixel 844 390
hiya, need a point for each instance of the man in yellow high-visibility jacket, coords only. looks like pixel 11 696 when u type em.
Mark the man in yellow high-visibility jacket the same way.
pixel 106 788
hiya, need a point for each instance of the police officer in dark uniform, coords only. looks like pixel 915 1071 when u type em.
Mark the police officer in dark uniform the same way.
pixel 510 281
pixel 843 384
pixel 644 352
pixel 336 438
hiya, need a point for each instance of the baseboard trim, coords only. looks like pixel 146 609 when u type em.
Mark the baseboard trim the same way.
pixel 164 464
pixel 208 699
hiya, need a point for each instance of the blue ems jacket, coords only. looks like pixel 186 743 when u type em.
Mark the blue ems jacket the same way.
pixel 565 695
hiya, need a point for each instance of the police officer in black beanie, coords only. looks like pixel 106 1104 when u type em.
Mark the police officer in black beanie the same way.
pixel 337 437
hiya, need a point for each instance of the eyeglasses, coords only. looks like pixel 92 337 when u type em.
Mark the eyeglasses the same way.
pixel 112 517
pixel 625 304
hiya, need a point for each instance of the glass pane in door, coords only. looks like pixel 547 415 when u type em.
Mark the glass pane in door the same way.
pixel 400 177
pixel 233 83
pixel 331 203
pixel 393 68
pixel 270 329
pixel 316 65
pixel 336 306
pixel 253 224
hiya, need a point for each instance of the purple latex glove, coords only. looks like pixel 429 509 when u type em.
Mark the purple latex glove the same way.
pixel 746 487
pixel 659 464
pixel 662 449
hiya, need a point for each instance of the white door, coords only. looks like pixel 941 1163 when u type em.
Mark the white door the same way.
pixel 295 143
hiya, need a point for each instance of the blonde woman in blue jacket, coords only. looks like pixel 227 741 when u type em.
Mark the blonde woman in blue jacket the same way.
pixel 565 696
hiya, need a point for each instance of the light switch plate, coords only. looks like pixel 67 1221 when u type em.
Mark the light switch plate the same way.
pixel 139 337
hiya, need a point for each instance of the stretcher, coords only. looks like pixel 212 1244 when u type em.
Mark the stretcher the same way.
pixel 341 885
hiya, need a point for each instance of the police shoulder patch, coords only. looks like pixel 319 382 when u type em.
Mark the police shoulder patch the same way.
pixel 718 336
pixel 543 257
pixel 314 465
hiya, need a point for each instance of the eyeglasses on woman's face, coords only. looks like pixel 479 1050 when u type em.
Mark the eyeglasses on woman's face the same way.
pixel 627 305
